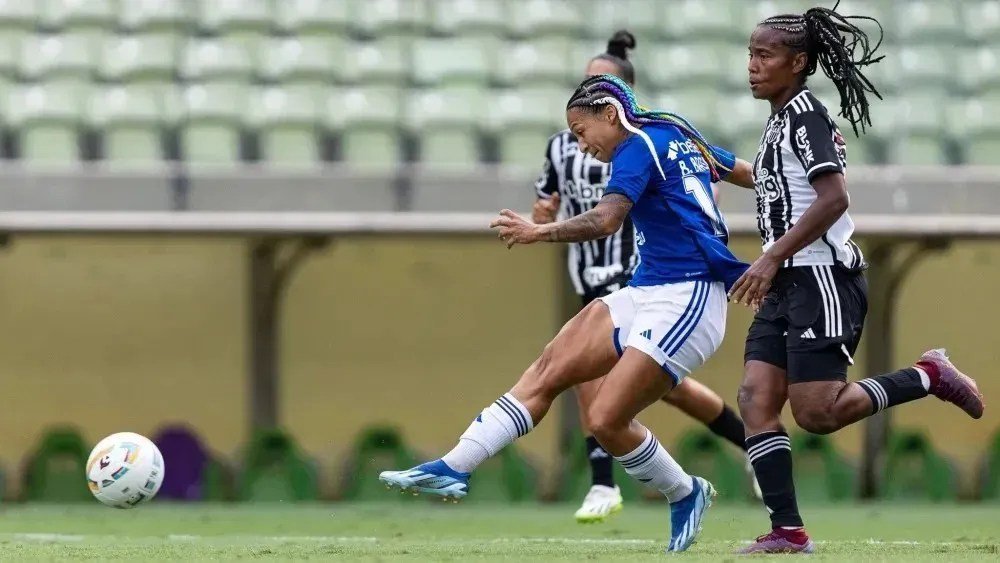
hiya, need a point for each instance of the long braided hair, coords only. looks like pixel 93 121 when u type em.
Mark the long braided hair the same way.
pixel 596 92
pixel 841 48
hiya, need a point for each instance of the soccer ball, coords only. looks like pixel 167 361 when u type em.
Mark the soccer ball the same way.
pixel 125 470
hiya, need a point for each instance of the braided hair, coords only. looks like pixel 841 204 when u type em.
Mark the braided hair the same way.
pixel 841 48
pixel 596 92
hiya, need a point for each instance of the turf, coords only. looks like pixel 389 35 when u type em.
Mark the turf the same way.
pixel 431 532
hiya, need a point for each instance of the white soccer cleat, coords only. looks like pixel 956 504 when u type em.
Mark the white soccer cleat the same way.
pixel 599 504
pixel 753 481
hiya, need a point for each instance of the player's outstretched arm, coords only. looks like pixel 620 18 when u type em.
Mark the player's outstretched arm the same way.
pixel 603 220
pixel 741 175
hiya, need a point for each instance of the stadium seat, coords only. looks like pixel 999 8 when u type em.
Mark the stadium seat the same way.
pixel 756 12
pixel 47 119
pixel 981 20
pixel 194 474
pixel 17 18
pixel 286 119
pixel 990 477
pixel 446 122
pixel 687 65
pixel 131 122
pixel 744 119
pixel 376 449
pixel 641 17
pixel 375 18
pixel 77 15
pixel 229 17
pixel 139 58
pixel 311 17
pixel 10 56
pixel 929 21
pixel 313 60
pixel 467 17
pixel 540 63
pixel 927 68
pixel 978 69
pixel 918 131
pixel 699 106
pixel 821 473
pixel 55 469
pixel 367 120
pixel 702 19
pixel 522 120
pixel 452 61
pixel 154 15
pixel 914 471
pixel 68 57
pixel 702 453
pixel 215 60
pixel 505 477
pixel 974 125
pixel 377 62
pixel 535 18
pixel 210 125
pixel 275 470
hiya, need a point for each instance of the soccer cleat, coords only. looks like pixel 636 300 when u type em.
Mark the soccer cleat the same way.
pixel 687 514
pixel 754 485
pixel 781 540
pixel 599 504
pixel 433 477
pixel 952 385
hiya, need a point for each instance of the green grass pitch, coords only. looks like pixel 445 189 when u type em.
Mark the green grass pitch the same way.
pixel 424 531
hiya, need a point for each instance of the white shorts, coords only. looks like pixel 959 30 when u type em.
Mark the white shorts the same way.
pixel 679 325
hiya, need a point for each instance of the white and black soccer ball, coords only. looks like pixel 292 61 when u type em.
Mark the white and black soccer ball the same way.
pixel 125 470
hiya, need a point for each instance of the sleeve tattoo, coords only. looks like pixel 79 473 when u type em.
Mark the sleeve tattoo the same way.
pixel 603 220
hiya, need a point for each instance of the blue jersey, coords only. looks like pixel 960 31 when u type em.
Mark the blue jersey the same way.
pixel 680 232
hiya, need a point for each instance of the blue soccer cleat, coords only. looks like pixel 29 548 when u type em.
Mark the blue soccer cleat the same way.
pixel 433 477
pixel 686 515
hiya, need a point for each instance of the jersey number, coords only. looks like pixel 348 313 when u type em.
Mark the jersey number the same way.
pixel 703 195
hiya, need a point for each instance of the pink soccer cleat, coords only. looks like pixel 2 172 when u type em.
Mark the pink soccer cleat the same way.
pixel 949 384
pixel 780 540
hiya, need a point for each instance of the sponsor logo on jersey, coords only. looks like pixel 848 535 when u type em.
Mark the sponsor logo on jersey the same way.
pixel 805 148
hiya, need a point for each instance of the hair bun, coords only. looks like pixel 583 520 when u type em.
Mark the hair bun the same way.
pixel 620 43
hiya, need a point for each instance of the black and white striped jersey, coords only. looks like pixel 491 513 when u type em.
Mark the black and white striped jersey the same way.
pixel 580 180
pixel 801 142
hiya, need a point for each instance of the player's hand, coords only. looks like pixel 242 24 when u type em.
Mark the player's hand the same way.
pixel 545 210
pixel 753 285
pixel 513 229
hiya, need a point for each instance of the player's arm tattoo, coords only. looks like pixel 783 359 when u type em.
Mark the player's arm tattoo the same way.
pixel 601 221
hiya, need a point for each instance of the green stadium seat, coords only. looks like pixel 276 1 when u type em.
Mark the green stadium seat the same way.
pixel 975 126
pixel 700 19
pixel 377 62
pixel 744 118
pixel 150 57
pixel 374 18
pixel 376 449
pixel 697 105
pixel 210 125
pixel 77 15
pixel 978 69
pixel 234 16
pixel 368 122
pixel 929 21
pixel 275 470
pixel 540 63
pixel 446 121
pixel 467 17
pixel 215 59
pixel 688 65
pixel 311 17
pixel 641 17
pixel 918 131
pixel 451 61
pixel 47 57
pixel 155 15
pixel 534 18
pixel 55 471
pixel 131 122
pixel 744 145
pixel 914 471
pixel 821 473
pixel 309 59
pixel 756 12
pixel 47 118
pixel 927 68
pixel 10 56
pixel 702 453
pixel 981 20
pixel 522 120
pixel 286 119
pixel 17 18
pixel 990 477
pixel 885 11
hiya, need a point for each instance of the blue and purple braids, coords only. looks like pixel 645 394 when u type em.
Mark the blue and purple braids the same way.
pixel 607 89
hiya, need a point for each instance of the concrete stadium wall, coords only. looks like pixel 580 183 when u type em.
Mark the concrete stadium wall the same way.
pixel 117 334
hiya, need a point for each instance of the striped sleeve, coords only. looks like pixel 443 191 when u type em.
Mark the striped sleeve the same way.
pixel 548 181
pixel 813 143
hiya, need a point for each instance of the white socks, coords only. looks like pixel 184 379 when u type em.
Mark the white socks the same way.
pixel 651 464
pixel 494 429
pixel 924 379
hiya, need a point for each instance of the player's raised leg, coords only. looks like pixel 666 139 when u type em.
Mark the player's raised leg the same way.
pixel 580 352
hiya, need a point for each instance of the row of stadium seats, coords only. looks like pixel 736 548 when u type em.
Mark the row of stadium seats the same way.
pixel 273 468
pixel 916 21
pixel 432 61
pixel 216 122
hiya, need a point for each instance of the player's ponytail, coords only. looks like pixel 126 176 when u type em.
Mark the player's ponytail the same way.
pixel 834 43
pixel 596 92
pixel 617 53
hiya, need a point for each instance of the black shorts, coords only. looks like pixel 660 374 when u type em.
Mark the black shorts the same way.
pixel 810 322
